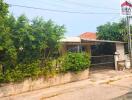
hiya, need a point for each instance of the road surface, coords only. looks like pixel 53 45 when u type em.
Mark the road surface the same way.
pixel 104 85
pixel 116 90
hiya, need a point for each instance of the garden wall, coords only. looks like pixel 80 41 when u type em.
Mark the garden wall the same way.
pixel 30 85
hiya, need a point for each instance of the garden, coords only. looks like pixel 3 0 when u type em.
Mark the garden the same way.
pixel 30 48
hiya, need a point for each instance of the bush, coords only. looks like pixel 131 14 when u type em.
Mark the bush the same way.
pixel 49 70
pixel 30 70
pixel 75 62
pixel 13 76
pixel 23 71
pixel 20 72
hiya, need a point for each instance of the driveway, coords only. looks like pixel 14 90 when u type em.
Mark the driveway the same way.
pixel 96 92
pixel 106 85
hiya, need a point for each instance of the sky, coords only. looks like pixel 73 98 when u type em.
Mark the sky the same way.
pixel 75 23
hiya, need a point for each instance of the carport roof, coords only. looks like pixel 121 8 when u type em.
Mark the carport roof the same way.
pixel 71 39
pixel 99 41
pixel 84 40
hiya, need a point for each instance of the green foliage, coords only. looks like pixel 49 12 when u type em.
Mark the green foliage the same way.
pixel 24 42
pixel 49 35
pixel 20 72
pixel 23 71
pixel 75 62
pixel 30 70
pixel 3 9
pixel 13 75
pixel 28 49
pixel 113 31
pixel 7 49
pixel 1 77
pixel 49 70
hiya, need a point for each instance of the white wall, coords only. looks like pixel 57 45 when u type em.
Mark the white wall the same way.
pixel 120 50
pixel 30 85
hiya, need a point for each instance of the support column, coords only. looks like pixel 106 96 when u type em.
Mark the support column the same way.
pixel 119 57
pixel 78 48
pixel 116 57
pixel 120 50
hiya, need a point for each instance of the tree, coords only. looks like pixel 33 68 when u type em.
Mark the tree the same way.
pixel 113 31
pixel 33 40
pixel 7 50
pixel 24 45
pixel 46 36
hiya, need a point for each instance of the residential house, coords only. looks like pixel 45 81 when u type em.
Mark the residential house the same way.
pixel 86 41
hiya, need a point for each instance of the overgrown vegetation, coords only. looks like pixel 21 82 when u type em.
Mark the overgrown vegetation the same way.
pixel 113 31
pixel 75 62
pixel 30 48
pixel 71 62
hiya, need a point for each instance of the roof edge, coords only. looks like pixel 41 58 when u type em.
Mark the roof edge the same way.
pixel 108 41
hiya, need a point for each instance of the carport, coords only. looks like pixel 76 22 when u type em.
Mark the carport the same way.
pixel 104 57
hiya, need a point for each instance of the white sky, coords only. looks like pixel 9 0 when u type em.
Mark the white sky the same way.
pixel 75 23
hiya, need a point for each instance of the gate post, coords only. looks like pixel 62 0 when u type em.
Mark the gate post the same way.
pixel 119 56
pixel 116 58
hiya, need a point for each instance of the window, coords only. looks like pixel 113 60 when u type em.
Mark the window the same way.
pixel 76 48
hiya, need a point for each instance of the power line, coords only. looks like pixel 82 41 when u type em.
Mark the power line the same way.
pixel 79 4
pixel 87 5
pixel 114 18
pixel 51 4
pixel 61 11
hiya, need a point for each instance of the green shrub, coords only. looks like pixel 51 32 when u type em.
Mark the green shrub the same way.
pixel 30 70
pixel 13 76
pixel 49 70
pixel 75 62
pixel 1 77
pixel 20 72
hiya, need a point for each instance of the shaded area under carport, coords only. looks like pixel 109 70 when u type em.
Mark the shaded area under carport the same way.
pixel 103 53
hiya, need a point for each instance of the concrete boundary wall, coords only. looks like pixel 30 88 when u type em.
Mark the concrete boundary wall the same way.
pixel 31 85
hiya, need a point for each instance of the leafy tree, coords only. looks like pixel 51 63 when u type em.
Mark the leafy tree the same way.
pixel 34 40
pixel 113 31
pixel 48 35
pixel 3 9
pixel 20 34
pixel 25 45
pixel 7 50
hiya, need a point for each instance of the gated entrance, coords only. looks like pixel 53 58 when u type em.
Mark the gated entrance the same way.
pixel 101 51
pixel 102 56
pixel 104 61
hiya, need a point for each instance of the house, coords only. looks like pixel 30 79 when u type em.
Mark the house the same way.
pixel 88 35
pixel 86 41
pixel 75 44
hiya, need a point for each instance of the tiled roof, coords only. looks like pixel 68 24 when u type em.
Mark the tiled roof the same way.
pixel 88 35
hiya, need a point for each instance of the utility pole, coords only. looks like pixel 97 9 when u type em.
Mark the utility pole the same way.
pixel 129 39
pixel 126 9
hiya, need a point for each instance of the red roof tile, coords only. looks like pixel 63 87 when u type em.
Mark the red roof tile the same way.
pixel 88 35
